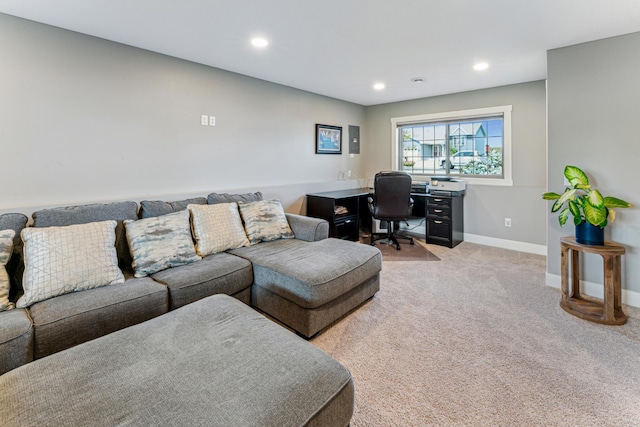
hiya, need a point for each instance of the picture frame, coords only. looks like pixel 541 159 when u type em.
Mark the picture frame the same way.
pixel 328 139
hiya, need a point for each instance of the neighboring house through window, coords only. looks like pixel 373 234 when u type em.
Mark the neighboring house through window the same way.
pixel 474 145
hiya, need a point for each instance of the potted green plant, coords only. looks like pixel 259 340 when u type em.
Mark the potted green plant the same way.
pixel 590 210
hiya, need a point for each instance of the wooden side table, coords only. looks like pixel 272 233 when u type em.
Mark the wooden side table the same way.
pixel 607 311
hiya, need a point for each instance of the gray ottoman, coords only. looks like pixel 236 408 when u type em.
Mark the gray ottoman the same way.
pixel 215 362
pixel 309 285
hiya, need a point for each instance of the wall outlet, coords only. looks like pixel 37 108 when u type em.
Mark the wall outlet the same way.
pixel 204 120
pixel 212 120
pixel 507 222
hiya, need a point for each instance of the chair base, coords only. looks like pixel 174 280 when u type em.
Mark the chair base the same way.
pixel 391 236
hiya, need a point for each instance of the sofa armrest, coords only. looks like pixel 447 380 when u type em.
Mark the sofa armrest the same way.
pixel 308 228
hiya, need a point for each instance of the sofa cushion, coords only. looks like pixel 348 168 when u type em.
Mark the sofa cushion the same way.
pixel 15 266
pixel 160 242
pixel 214 198
pixel 265 221
pixel 6 250
pixel 71 319
pixel 59 260
pixel 216 274
pixel 217 228
pixel 311 273
pixel 117 211
pixel 149 208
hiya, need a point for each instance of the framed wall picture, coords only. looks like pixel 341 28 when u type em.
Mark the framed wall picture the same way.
pixel 328 139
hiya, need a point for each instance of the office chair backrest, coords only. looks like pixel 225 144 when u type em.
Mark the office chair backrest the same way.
pixel 392 196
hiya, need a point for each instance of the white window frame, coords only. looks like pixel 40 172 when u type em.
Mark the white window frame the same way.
pixel 504 110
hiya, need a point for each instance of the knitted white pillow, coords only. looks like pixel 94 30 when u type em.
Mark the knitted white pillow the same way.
pixel 6 249
pixel 217 228
pixel 160 242
pixel 59 260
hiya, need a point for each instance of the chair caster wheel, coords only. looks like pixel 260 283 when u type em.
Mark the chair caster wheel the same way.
pixel 397 247
pixel 411 242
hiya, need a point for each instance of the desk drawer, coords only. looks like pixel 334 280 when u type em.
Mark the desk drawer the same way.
pixel 438 229
pixel 441 202
pixel 439 212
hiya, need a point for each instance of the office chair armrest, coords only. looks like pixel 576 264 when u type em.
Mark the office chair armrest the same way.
pixel 370 204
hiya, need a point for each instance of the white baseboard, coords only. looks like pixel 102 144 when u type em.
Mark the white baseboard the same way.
pixel 506 244
pixel 596 290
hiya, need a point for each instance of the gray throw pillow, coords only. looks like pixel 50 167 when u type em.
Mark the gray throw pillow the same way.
pixel 160 242
pixel 149 208
pixel 214 198
pixel 265 221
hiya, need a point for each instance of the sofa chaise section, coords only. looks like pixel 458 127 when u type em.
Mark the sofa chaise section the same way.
pixel 309 285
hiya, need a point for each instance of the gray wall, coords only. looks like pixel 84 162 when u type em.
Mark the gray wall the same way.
pixel 485 206
pixel 83 119
pixel 593 108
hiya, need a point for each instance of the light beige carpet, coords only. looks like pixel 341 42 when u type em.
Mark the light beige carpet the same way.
pixel 477 339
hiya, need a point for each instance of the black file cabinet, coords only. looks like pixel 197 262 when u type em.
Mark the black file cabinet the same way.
pixel 445 225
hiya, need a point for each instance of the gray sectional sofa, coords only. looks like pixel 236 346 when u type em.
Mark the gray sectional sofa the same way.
pixel 306 283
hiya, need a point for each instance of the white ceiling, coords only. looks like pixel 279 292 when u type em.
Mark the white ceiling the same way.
pixel 340 48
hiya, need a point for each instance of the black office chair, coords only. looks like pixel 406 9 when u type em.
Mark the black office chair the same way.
pixel 391 202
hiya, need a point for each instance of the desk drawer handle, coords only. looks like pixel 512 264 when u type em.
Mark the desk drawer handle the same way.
pixel 348 221
pixel 437 210
pixel 438 222
pixel 437 200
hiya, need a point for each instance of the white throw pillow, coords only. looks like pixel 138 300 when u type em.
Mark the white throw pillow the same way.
pixel 160 242
pixel 59 260
pixel 217 228
pixel 265 221
pixel 6 249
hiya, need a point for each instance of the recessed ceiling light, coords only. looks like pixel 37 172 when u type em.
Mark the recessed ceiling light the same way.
pixel 418 80
pixel 259 42
pixel 378 86
pixel 481 66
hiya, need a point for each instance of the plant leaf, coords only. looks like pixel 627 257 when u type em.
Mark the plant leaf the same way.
pixel 567 195
pixel 577 220
pixel 595 199
pixel 612 202
pixel 575 210
pixel 550 196
pixel 593 215
pixel 575 176
pixel 612 215
pixel 562 217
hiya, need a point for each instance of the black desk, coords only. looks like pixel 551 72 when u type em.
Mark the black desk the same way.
pixel 443 214
pixel 346 223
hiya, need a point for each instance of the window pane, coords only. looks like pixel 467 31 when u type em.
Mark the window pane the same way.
pixel 495 128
